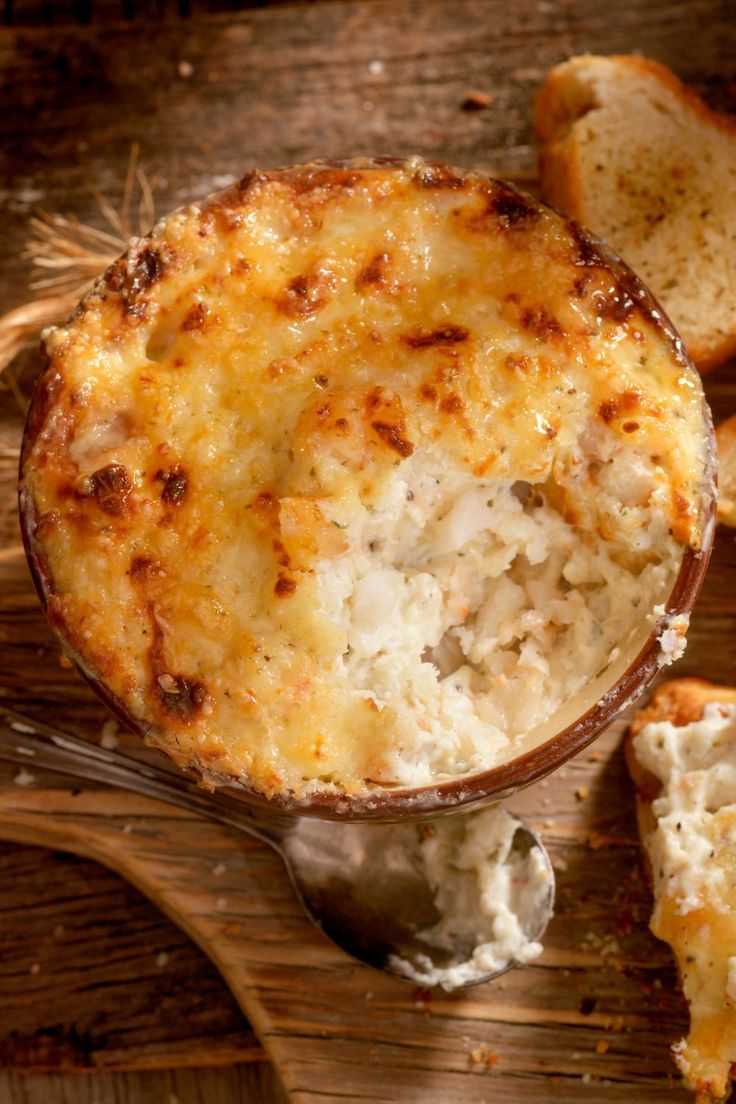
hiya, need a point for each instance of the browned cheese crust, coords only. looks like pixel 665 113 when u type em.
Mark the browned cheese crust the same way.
pixel 726 445
pixel 351 315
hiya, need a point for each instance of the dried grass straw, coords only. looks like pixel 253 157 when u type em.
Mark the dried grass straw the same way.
pixel 67 256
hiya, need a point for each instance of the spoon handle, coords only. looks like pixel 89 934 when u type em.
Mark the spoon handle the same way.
pixel 32 743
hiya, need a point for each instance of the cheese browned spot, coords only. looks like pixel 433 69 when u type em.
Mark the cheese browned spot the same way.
pixel 443 335
pixel 375 272
pixel 349 479
pixel 514 210
pixel 175 484
pixel 111 487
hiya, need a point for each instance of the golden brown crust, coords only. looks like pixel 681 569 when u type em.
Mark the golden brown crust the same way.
pixel 123 471
pixel 691 101
pixel 726 447
pixel 680 701
pixel 548 113
pixel 709 357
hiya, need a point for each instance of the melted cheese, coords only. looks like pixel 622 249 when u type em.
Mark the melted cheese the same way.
pixel 692 850
pixel 247 388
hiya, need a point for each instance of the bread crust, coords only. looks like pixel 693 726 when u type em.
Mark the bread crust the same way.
pixel 726 447
pixel 561 174
pixel 680 701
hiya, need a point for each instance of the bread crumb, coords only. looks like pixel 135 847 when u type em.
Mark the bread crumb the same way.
pixel 602 1046
pixel 162 958
pixel 108 735
pixel 24 778
pixel 605 945
pixel 186 69
pixel 476 100
pixel 376 67
pixel 168 683
pixel 481 1056
pixel 219 868
pixel 581 793
pixel 36 968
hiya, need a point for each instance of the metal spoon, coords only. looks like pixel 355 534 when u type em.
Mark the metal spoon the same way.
pixel 363 885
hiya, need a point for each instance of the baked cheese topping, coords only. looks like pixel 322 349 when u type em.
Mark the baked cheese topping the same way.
pixel 348 477
pixel 692 850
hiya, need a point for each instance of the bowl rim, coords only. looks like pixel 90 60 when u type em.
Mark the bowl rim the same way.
pixel 497 782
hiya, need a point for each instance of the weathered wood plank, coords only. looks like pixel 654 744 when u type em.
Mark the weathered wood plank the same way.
pixel 92 976
pixel 250 1084
pixel 56 13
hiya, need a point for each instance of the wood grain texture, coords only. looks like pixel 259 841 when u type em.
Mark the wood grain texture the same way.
pixel 250 1084
pixel 595 1014
pixel 55 13
pixel 93 977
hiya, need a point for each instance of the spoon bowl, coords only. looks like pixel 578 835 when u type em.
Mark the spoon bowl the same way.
pixel 364 885
pixel 367 887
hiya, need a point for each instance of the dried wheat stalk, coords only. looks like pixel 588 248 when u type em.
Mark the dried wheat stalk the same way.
pixel 67 256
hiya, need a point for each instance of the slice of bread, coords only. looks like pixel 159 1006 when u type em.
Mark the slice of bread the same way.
pixel 702 933
pixel 640 159
pixel 726 443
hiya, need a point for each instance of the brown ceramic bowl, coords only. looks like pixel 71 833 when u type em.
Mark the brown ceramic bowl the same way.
pixel 571 727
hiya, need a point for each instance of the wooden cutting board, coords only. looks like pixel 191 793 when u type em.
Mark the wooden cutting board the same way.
pixel 599 1007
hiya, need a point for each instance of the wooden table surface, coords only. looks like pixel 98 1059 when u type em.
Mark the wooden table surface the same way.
pixel 208 92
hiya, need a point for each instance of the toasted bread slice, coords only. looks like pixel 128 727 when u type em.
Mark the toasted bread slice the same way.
pixel 640 159
pixel 681 753
pixel 726 442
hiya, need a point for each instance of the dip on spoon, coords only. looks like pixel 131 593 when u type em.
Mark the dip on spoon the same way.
pixel 448 903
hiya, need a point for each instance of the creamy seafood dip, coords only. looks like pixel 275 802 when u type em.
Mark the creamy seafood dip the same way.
pixel 491 898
